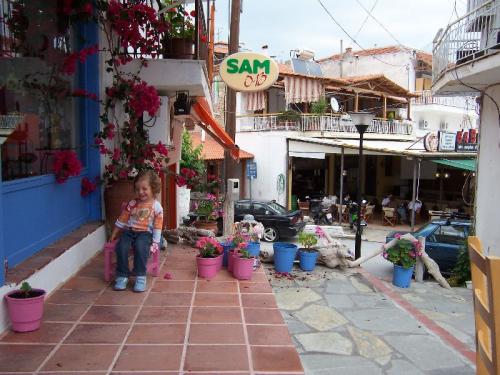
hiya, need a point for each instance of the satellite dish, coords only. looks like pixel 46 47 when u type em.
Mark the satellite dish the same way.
pixel 334 104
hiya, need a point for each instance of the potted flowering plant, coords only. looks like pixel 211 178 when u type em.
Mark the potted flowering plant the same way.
pixel 243 263
pixel 208 211
pixel 25 308
pixel 403 254
pixel 234 244
pixel 181 33
pixel 209 258
pixel 307 254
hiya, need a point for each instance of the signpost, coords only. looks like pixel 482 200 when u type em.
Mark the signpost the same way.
pixel 251 174
pixel 447 141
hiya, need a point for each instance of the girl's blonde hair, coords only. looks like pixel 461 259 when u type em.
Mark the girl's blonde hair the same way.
pixel 153 179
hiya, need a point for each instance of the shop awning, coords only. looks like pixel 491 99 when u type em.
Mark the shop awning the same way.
pixel 465 164
pixel 212 127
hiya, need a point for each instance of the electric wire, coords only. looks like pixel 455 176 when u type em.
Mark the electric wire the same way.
pixel 366 19
pixel 380 23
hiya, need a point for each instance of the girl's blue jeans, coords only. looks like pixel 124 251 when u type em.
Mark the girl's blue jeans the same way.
pixel 141 242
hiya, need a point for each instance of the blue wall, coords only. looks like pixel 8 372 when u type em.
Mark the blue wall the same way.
pixel 37 211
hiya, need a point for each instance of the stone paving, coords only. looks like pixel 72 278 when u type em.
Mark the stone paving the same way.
pixel 342 324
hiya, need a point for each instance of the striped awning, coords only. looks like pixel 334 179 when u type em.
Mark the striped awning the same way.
pixel 303 90
pixel 255 101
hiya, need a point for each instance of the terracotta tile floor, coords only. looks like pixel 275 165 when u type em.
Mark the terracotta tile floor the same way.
pixel 184 325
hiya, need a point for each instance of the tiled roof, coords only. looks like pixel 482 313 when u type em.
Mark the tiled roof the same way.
pixel 221 47
pixel 369 52
pixel 425 57
pixel 378 82
pixel 212 150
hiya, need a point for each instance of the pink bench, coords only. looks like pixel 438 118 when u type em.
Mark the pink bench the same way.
pixel 153 266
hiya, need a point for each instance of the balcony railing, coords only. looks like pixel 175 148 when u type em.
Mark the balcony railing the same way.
pixel 467 103
pixel 467 39
pixel 320 123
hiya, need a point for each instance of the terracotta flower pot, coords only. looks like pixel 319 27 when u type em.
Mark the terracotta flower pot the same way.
pixel 25 313
pixel 114 196
pixel 207 225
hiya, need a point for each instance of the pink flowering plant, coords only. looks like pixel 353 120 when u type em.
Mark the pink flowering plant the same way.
pixel 209 247
pixel 404 253
pixel 242 249
pixel 210 208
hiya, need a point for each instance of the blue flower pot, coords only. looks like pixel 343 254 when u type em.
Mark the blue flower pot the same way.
pixel 284 255
pixel 401 277
pixel 226 246
pixel 254 249
pixel 307 260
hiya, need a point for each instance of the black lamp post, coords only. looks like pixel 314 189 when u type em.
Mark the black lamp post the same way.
pixel 361 120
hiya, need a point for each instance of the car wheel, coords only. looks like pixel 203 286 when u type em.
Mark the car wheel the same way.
pixel 270 234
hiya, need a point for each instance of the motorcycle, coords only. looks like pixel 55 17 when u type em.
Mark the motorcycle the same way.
pixel 320 213
pixel 353 215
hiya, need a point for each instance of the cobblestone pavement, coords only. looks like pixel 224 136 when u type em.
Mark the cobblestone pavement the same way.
pixel 349 322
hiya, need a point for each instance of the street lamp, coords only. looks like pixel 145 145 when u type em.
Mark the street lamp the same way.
pixel 361 120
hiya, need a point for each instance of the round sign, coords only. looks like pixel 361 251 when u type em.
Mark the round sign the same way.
pixel 431 142
pixel 249 71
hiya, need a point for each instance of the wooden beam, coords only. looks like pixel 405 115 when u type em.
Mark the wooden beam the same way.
pixel 384 114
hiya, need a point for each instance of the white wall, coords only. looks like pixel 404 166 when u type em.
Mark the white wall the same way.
pixel 269 149
pixel 394 67
pixel 488 176
pixel 434 114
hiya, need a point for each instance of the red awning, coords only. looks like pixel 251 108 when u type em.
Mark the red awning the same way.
pixel 210 124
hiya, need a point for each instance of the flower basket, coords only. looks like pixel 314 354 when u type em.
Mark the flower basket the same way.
pixel 25 308
pixel 403 254
pixel 209 261
pixel 284 256
pixel 401 276
pixel 233 255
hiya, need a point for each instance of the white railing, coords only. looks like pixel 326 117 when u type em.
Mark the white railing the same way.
pixel 320 123
pixel 464 102
pixel 467 39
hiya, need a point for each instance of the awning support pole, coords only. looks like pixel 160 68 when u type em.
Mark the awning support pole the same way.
pixel 341 183
pixel 414 194
pixel 356 102
pixel 384 115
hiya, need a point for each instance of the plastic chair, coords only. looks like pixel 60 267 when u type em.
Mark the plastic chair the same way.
pixel 368 213
pixel 390 217
pixel 153 266
pixel 304 207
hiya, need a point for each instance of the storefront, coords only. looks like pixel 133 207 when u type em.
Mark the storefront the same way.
pixel 49 114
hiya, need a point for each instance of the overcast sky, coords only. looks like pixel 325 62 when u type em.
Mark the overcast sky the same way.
pixel 290 24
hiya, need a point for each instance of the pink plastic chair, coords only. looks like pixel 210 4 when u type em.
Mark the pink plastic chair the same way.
pixel 153 266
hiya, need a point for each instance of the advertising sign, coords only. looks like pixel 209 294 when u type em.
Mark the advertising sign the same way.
pixel 431 142
pixel 447 141
pixel 249 71
pixel 467 141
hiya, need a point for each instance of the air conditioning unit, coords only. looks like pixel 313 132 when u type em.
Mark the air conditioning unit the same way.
pixel 423 125
pixel 443 125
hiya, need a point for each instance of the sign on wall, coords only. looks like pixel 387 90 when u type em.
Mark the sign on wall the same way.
pixel 251 169
pixel 447 141
pixel 467 141
pixel 249 71
pixel 431 142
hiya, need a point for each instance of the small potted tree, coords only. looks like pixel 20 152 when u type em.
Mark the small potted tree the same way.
pixel 307 254
pixel 209 260
pixel 25 308
pixel 243 263
pixel 403 254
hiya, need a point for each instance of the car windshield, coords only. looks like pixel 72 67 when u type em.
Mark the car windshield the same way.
pixel 278 208
pixel 429 227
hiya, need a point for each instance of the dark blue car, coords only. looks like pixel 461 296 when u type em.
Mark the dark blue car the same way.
pixel 443 240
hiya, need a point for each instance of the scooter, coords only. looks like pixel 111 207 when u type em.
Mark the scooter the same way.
pixel 353 215
pixel 320 213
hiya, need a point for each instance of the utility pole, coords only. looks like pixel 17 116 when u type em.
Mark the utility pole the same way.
pixel 234 41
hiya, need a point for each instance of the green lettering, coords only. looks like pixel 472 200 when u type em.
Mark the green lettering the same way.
pixel 232 66
pixel 266 65
pixel 245 67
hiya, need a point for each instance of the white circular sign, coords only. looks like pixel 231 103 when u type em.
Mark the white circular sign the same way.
pixel 249 71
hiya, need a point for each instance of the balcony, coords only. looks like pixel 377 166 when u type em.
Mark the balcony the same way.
pixel 471 38
pixel 324 125
pixel 467 103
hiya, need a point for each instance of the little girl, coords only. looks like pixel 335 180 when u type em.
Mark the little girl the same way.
pixel 141 222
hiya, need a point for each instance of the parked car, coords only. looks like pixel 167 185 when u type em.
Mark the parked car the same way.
pixel 443 240
pixel 277 220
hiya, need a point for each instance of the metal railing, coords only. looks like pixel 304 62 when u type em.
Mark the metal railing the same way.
pixel 320 123
pixel 464 102
pixel 467 39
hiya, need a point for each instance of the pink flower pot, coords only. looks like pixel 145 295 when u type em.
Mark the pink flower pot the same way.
pixel 243 268
pixel 219 264
pixel 233 254
pixel 207 267
pixel 25 313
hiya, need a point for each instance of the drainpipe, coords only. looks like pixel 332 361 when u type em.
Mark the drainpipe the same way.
pixel 341 58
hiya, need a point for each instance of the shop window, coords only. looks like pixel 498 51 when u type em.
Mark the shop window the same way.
pixel 37 84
